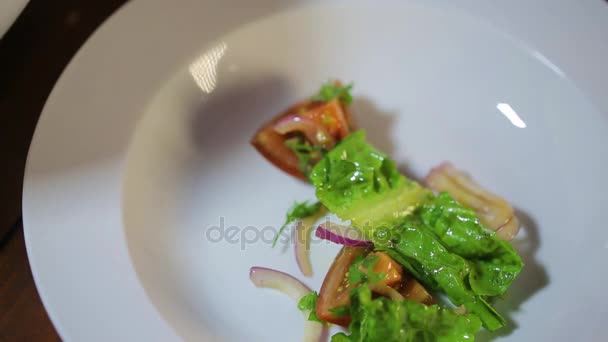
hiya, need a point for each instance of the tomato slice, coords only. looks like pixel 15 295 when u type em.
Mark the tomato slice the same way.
pixel 386 265
pixel 333 116
pixel 335 291
pixel 411 289
pixel 272 144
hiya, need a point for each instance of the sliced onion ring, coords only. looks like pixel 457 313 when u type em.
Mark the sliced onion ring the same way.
pixel 492 210
pixel 313 131
pixel 342 235
pixel 461 310
pixel 387 291
pixel 281 281
pixel 268 278
pixel 314 331
pixel 302 245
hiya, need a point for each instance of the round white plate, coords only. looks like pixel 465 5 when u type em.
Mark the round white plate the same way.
pixel 9 11
pixel 145 206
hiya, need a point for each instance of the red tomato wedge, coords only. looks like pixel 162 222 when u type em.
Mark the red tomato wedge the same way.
pixel 335 289
pixel 331 117
pixel 386 265
pixel 411 289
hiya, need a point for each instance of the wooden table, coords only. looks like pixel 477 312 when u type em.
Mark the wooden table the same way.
pixel 33 53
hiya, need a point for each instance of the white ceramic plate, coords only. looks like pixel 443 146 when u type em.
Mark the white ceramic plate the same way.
pixel 9 11
pixel 143 148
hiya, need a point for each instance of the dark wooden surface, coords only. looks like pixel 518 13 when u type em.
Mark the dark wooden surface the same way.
pixel 33 53
pixel 22 317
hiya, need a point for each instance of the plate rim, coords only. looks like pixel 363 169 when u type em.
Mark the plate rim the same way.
pixel 584 75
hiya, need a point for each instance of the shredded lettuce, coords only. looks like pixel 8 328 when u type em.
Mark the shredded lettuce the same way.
pixel 307 154
pixel 360 272
pixel 309 303
pixel 332 90
pixel 298 211
pixel 386 320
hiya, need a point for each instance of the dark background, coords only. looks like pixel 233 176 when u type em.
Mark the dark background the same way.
pixel 33 53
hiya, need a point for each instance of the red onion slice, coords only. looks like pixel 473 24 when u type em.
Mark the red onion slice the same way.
pixel 342 235
pixel 268 278
pixel 492 210
pixel 302 246
pixel 313 131
pixel 281 281
pixel 314 331
pixel 388 291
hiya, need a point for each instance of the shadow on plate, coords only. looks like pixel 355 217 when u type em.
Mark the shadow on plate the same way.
pixel 376 122
pixel 530 281
pixel 215 128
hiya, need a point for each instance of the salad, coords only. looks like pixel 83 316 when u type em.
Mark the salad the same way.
pixel 418 262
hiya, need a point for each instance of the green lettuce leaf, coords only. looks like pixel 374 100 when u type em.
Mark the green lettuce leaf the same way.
pixel 359 183
pixel 440 242
pixel 416 247
pixel 385 320
pixel 494 262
